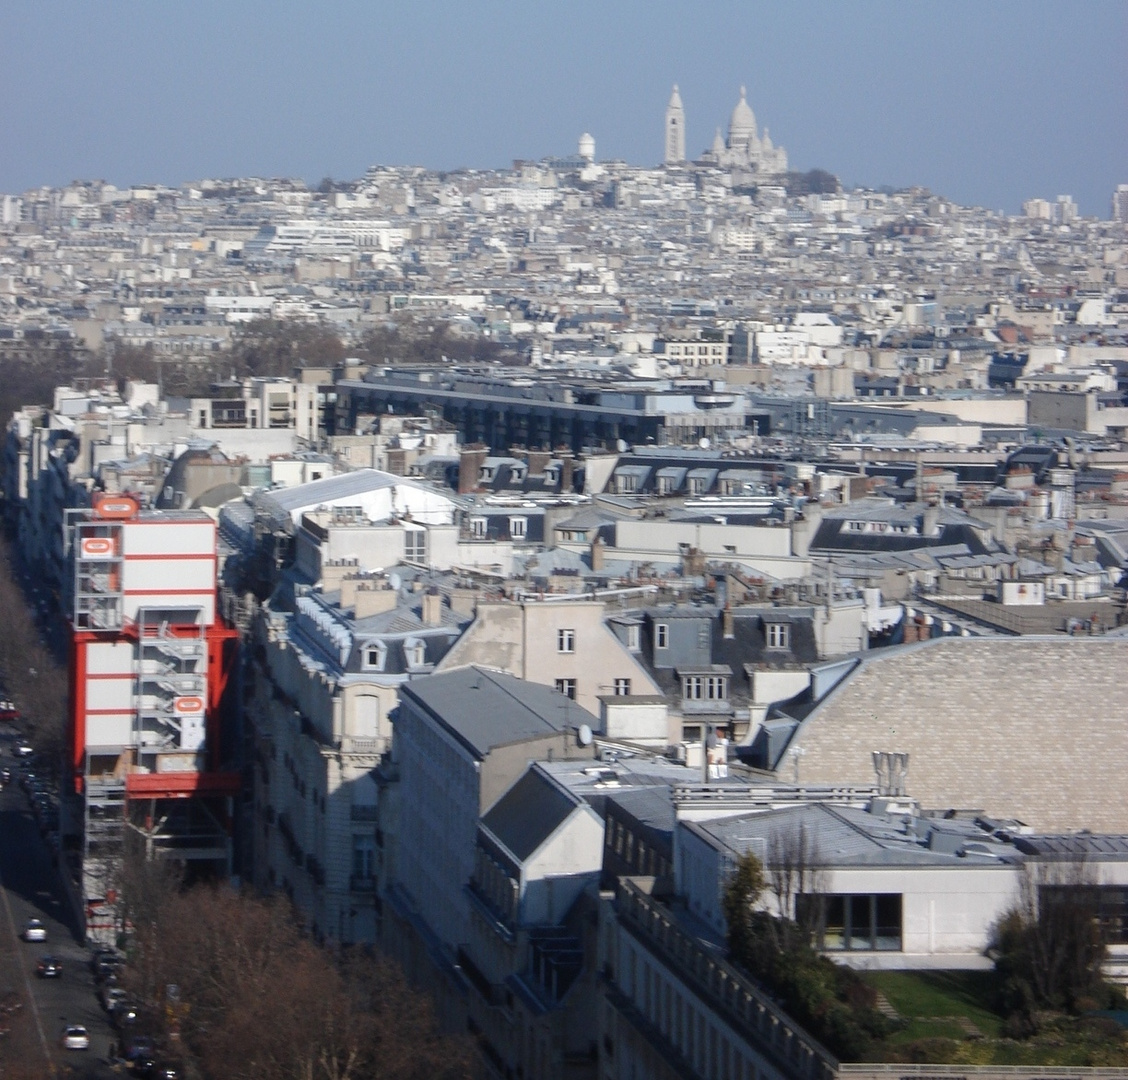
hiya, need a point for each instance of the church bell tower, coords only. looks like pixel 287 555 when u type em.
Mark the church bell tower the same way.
pixel 675 129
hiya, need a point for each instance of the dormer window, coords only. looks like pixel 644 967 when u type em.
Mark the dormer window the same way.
pixel 415 545
pixel 517 527
pixel 375 656
pixel 478 528
pixel 777 635
pixel 415 653
pixel 705 687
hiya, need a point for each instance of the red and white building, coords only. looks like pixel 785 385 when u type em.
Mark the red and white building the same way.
pixel 150 659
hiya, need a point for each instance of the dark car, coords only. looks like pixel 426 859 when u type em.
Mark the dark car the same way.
pixel 165 1070
pixel 106 970
pixel 125 1014
pixel 49 967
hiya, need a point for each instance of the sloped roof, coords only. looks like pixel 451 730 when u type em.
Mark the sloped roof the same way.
pixel 484 709
pixel 529 813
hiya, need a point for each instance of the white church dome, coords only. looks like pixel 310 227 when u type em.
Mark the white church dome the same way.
pixel 742 124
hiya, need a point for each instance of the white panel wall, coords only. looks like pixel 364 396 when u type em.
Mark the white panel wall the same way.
pixel 105 658
pixel 109 694
pixel 154 575
pixel 109 730
pixel 171 537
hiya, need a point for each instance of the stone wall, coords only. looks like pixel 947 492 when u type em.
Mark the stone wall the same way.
pixel 1033 728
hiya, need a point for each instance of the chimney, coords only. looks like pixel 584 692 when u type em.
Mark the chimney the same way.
pixel 375 601
pixel 464 601
pixel 693 563
pixel 333 571
pixel 432 607
pixel 567 468
pixel 349 586
pixel 598 550
pixel 538 462
pixel 930 520
pixel 727 622
pixel 470 463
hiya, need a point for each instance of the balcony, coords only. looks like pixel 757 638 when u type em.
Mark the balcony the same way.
pixel 728 991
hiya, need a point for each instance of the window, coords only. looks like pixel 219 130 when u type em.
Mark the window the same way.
pixel 857 922
pixel 517 526
pixel 622 687
pixel 778 635
pixel 567 687
pixel 632 638
pixel 662 635
pixel 415 545
pixel 374 656
pixel 363 857
pixel 705 687
pixel 1106 905
pixel 478 528
pixel 566 641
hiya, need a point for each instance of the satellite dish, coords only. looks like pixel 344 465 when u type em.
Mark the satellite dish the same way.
pixel 584 735
pixel 394 581
pixel 622 446
pixel 703 443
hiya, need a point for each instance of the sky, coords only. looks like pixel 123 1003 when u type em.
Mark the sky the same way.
pixel 986 103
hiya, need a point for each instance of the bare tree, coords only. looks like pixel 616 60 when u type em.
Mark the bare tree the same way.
pixel 257 999
pixel 794 871
pixel 1052 944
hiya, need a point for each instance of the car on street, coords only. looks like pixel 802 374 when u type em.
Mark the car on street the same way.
pixel 106 968
pixel 163 1070
pixel 8 710
pixel 34 930
pixel 23 749
pixel 76 1037
pixel 49 967
pixel 112 995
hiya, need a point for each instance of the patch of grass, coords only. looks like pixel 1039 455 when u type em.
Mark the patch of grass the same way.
pixel 948 1017
pixel 916 994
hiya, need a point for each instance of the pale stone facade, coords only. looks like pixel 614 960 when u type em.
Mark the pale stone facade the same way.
pixel 1032 728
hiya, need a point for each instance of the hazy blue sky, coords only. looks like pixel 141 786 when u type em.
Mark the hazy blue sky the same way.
pixel 986 101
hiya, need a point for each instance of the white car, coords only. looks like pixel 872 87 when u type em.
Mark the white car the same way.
pixel 76 1037
pixel 111 995
pixel 34 930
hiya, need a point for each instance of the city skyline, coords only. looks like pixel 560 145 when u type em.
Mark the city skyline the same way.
pixel 987 106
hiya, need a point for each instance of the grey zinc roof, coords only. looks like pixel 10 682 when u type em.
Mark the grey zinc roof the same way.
pixel 843 836
pixel 484 709
pixel 529 813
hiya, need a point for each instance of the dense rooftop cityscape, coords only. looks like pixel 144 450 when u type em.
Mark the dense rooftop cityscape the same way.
pixel 498 565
